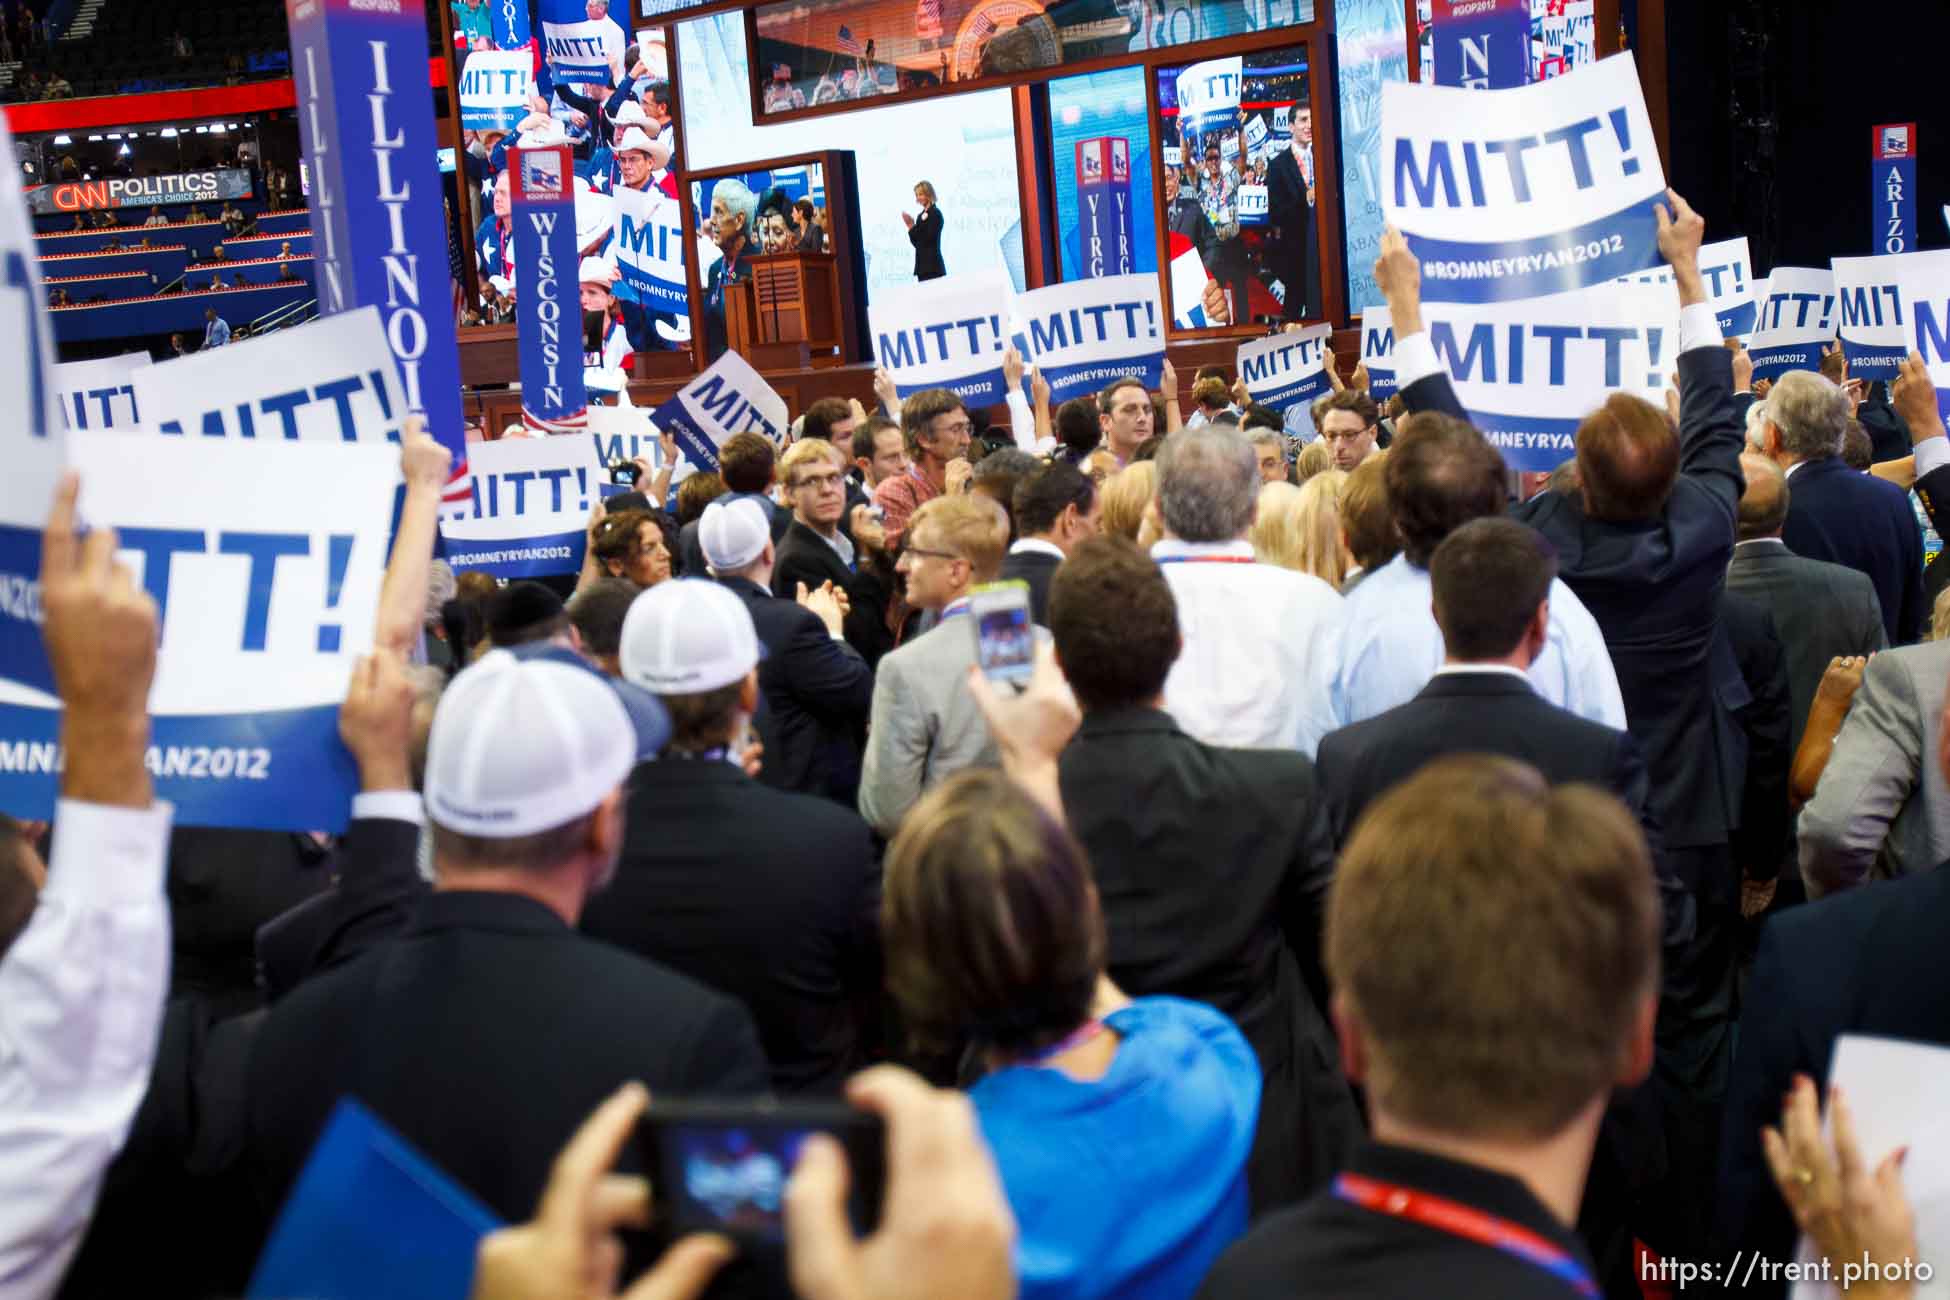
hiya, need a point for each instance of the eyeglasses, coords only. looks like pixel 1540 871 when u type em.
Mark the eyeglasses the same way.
pixel 817 481
pixel 939 555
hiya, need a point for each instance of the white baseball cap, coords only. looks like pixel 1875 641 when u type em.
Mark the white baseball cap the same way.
pixel 520 746
pixel 594 270
pixel 733 534
pixel 686 636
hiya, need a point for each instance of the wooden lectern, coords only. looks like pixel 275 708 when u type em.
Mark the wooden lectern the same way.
pixel 785 313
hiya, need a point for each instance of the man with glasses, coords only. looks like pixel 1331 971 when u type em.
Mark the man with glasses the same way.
pixel 936 427
pixel 925 725
pixel 816 550
pixel 1347 422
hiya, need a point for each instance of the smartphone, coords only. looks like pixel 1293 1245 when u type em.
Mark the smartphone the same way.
pixel 1005 640
pixel 623 472
pixel 723 1166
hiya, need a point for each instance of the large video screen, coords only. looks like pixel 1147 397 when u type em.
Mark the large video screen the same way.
pixel 748 215
pixel 1236 153
pixel 1100 152
pixel 811 55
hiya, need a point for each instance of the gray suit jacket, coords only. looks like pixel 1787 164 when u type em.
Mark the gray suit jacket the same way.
pixel 1882 808
pixel 925 726
pixel 1820 610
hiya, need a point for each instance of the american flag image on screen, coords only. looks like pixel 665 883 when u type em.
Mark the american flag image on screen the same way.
pixel 541 175
pixel 848 43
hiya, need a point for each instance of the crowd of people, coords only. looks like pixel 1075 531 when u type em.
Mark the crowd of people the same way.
pixel 1360 899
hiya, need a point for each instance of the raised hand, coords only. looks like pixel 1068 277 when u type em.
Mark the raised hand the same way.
pixel 1914 397
pixel 1012 367
pixel 423 461
pixel 1681 231
pixel 1398 274
pixel 376 721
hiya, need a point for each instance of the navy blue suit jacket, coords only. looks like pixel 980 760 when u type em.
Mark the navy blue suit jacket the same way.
pixel 1845 517
pixel 1654 586
pixel 1864 961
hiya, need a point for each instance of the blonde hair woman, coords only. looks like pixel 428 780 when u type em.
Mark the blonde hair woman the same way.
pixel 1315 458
pixel 1300 527
pixel 1127 498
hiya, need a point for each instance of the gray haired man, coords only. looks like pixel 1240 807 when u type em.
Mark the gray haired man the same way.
pixel 1256 636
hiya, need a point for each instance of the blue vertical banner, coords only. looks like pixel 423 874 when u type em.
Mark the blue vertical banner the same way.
pixel 366 122
pixel 509 21
pixel 548 308
pixel 1105 238
pixel 1371 37
pixel 1893 188
pixel 1481 44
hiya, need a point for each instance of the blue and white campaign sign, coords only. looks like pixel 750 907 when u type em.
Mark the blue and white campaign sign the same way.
pixel 1528 372
pixel 529 511
pixel 1086 333
pixel 1507 194
pixel 649 247
pixel 332 379
pixel 579 48
pixel 1925 301
pixel 1378 351
pixel 1876 329
pixel 729 398
pixel 625 433
pixel 1251 204
pixel 267 599
pixel 97 394
pixel 494 87
pixel 377 215
pixel 947 333
pixel 1208 95
pixel 548 310
pixel 1731 289
pixel 31 443
pixel 1286 370
pixel 1795 321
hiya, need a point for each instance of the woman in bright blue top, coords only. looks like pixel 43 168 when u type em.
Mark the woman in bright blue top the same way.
pixel 1120 1127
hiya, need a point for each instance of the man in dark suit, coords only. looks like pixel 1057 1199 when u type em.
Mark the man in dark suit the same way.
pixel 769 897
pixel 1837 514
pixel 1184 216
pixel 1290 206
pixel 1490 581
pixel 748 463
pixel 1055 509
pixel 1866 961
pixel 818 690
pixel 818 548
pixel 1820 610
pixel 487 1032
pixel 1645 545
pixel 1212 864
pixel 924 232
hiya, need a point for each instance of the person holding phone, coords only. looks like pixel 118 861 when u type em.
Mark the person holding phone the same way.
pixel 924 232
pixel 993 927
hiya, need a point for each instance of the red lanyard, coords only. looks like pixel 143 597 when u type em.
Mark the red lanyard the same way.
pixel 1460 1220
pixel 1208 559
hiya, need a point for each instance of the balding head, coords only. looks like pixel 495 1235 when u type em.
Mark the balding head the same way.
pixel 1764 504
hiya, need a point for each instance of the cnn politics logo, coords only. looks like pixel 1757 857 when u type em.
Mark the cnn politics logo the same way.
pixel 72 196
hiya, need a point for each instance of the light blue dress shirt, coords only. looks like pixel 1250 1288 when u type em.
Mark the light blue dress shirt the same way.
pixel 1389 647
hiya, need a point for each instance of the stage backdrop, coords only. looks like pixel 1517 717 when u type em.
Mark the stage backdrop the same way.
pixel 969 155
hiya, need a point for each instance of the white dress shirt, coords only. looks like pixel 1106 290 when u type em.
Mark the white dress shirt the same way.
pixel 1256 640
pixel 81 1000
pixel 1389 646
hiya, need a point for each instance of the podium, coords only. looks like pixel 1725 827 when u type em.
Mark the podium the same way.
pixel 785 312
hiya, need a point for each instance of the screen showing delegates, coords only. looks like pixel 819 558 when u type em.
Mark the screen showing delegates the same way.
pixel 1100 152
pixel 1241 192
pixel 745 216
